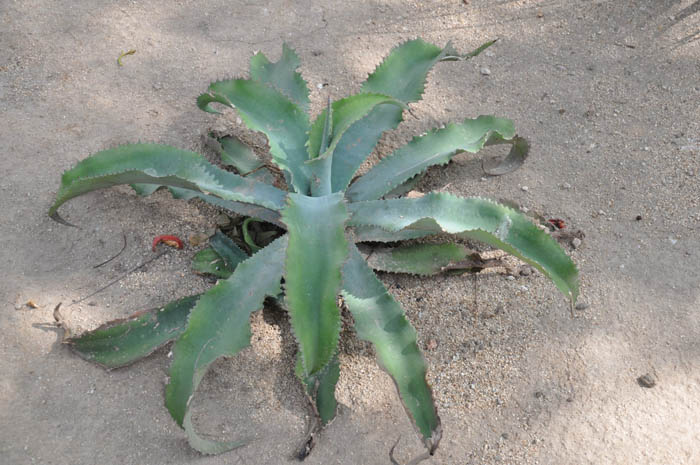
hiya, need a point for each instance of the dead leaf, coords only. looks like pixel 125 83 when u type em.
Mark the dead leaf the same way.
pixel 197 239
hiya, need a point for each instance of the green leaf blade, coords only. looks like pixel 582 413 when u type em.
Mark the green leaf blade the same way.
pixel 317 249
pixel 418 259
pixel 380 320
pixel 477 218
pixel 161 165
pixel 227 250
pixel 320 387
pixel 435 148
pixel 219 326
pixel 403 72
pixel 122 342
pixel 207 261
pixel 344 113
pixel 238 155
pixel 351 109
pixel 282 75
pixel 365 233
pixel 267 110
pixel 402 75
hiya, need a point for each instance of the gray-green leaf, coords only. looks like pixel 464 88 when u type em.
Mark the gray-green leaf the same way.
pixel 122 342
pixel 218 326
pixel 282 75
pixel 435 148
pixel 317 249
pixel 380 320
pixel 161 165
pixel 475 218
pixel 267 110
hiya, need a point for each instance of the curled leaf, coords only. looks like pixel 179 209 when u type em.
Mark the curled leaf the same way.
pixel 514 160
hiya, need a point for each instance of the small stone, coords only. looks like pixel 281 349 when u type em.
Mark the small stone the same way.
pixel 525 188
pixel 582 306
pixel 524 288
pixel 646 381
pixel 510 277
pixel 414 195
pixel 601 212
pixel 489 53
pixel 576 243
pixel 638 217
pixel 485 71
pixel 539 395
pixel 526 271
pixel 483 179
pixel 157 86
pixel 431 345
pixel 223 220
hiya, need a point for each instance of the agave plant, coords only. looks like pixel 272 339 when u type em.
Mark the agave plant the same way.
pixel 313 266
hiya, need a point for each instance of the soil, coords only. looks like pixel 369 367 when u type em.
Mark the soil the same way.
pixel 607 92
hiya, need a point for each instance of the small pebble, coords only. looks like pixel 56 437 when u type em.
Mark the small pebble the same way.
pixel 576 243
pixel 582 306
pixel 525 188
pixel 646 381
pixel 638 218
pixel 566 186
pixel 485 71
pixel 510 278
pixel 524 288
pixel 526 271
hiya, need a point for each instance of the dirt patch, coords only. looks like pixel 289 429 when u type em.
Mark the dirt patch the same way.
pixel 606 92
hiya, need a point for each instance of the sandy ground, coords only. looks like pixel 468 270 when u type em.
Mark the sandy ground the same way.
pixel 607 92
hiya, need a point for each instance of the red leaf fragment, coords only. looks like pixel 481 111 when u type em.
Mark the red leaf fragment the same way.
pixel 557 223
pixel 172 241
